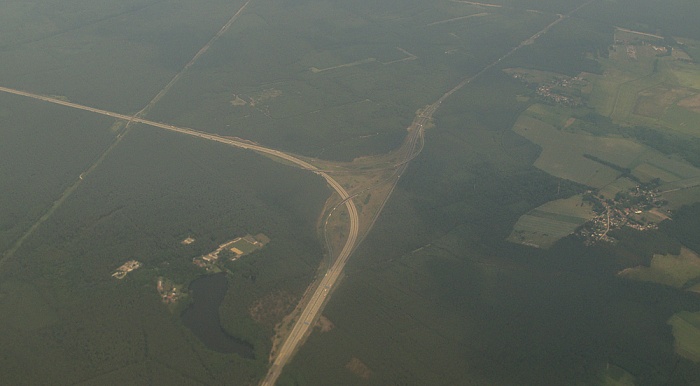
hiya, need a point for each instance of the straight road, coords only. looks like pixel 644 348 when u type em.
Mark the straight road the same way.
pixel 194 59
pixel 141 113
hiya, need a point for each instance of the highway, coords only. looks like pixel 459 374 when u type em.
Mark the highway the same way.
pixel 416 133
pixel 318 297
pixel 313 308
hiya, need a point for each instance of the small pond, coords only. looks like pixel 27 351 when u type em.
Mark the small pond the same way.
pixel 202 316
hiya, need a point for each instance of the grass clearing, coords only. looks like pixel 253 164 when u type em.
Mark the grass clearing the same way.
pixel 672 270
pixel 686 332
pixel 680 197
pixel 544 225
pixel 244 246
pixel 691 103
pixel 563 152
pixel 686 73
pixel 619 185
pixel 617 376
pixel 638 87
pixel 567 154
pixel 682 120
pixel 654 102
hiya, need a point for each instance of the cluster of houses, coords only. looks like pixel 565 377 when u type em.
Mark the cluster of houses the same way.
pixel 169 292
pixel 552 92
pixel 631 209
pixel 233 250
pixel 125 268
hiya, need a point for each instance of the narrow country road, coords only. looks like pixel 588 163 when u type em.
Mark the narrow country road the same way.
pixel 141 113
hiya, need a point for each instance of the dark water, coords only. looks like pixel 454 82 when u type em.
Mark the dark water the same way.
pixel 202 316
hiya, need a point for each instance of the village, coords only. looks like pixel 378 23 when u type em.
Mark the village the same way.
pixel 169 292
pixel 552 92
pixel 639 208
pixel 561 89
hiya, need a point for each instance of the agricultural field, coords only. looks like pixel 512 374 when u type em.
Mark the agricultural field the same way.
pixel 681 197
pixel 563 152
pixel 622 184
pixel 599 161
pixel 673 270
pixel 686 332
pixel 647 82
pixel 544 225
pixel 617 376
pixel 580 123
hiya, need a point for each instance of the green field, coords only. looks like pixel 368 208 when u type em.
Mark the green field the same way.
pixel 673 270
pixel 563 156
pixel 686 331
pixel 639 87
pixel 592 145
pixel 678 198
pixel 617 376
pixel 570 137
pixel 619 185
pixel 544 225
pixel 245 246
pixel 563 152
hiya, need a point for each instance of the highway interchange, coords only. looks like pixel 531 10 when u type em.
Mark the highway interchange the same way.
pixel 319 296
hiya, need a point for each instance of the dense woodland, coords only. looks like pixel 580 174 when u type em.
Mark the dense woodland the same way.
pixel 434 295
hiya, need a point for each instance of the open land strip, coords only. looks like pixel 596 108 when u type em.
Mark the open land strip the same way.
pixel 129 119
pixel 478 4
pixel 352 64
pixel 409 56
pixel 456 19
